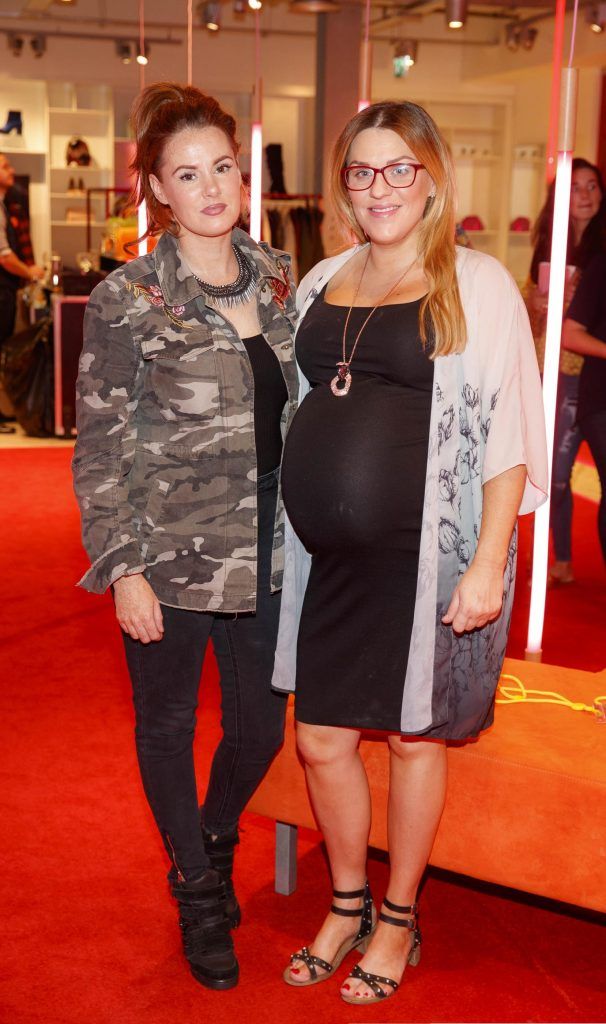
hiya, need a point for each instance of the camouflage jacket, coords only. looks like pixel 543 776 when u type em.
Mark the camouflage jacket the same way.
pixel 165 464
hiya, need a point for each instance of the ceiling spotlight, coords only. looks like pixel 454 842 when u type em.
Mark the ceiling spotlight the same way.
pixel 405 55
pixel 255 5
pixel 595 16
pixel 313 6
pixel 456 13
pixel 143 57
pixel 513 36
pixel 15 44
pixel 38 45
pixel 123 51
pixel 528 37
pixel 210 16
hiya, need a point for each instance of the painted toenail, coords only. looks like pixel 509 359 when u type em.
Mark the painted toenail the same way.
pixel 295 970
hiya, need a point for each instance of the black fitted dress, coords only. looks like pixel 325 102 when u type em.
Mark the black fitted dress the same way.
pixel 353 480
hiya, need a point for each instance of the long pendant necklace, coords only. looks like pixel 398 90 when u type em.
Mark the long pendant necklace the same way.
pixel 237 292
pixel 341 384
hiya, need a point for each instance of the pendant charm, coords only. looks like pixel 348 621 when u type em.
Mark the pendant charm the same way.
pixel 341 384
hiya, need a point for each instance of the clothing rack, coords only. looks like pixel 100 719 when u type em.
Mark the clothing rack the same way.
pixel 297 197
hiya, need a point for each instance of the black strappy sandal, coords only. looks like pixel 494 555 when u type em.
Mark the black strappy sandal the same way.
pixel 359 941
pixel 375 981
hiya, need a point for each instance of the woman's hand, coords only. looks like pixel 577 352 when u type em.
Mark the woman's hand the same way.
pixel 477 598
pixel 137 608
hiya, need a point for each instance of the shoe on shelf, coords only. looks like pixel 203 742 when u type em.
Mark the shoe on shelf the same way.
pixel 376 982
pixel 357 941
pixel 560 572
pixel 14 123
pixel 207 942
pixel 220 852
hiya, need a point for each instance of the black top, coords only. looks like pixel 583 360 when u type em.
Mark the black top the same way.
pixel 588 308
pixel 353 472
pixel 270 398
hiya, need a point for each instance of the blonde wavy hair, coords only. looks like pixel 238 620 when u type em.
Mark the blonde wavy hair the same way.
pixel 441 311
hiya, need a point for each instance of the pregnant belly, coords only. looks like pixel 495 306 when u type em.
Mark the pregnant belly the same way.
pixel 353 470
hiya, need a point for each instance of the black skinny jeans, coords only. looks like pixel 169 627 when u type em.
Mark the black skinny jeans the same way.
pixel 166 677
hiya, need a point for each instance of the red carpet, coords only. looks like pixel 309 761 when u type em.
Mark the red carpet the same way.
pixel 91 935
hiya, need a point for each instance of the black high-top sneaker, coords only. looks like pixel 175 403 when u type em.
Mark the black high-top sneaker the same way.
pixel 220 852
pixel 205 930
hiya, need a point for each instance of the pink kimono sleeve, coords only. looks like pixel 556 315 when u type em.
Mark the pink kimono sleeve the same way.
pixel 517 425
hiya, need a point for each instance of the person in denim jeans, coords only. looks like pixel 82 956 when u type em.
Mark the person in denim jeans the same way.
pixel 187 383
pixel 585 238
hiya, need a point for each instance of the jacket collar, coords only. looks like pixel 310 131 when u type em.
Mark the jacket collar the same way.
pixel 179 285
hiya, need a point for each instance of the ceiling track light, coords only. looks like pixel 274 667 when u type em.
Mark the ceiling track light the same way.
pixel 513 32
pixel 210 16
pixel 456 13
pixel 405 56
pixel 38 45
pixel 595 16
pixel 15 44
pixel 123 51
pixel 255 5
pixel 142 57
pixel 528 37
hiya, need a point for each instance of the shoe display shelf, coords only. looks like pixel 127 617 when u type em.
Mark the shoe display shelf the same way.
pixel 87 113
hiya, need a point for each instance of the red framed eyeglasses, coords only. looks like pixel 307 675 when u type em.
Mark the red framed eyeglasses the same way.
pixel 360 177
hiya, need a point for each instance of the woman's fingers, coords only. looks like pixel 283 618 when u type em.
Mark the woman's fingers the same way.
pixel 158 619
pixel 137 609
pixel 453 608
pixel 472 607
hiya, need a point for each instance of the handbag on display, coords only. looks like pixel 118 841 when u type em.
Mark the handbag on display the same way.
pixel 77 153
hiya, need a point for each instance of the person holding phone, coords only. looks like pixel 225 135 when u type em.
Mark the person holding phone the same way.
pixel 586 237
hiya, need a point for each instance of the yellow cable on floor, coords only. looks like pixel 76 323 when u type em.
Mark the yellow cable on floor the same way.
pixel 519 694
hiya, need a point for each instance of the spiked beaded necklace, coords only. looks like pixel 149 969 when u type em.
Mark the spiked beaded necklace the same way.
pixel 237 292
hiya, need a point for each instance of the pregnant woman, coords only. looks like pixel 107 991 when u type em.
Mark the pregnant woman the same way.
pixel 419 440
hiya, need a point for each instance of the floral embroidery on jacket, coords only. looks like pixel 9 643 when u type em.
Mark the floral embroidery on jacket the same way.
pixel 153 294
pixel 280 287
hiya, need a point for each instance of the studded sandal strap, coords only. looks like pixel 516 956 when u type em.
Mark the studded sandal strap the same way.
pixel 311 961
pixel 412 909
pixel 399 922
pixel 355 894
pixel 374 981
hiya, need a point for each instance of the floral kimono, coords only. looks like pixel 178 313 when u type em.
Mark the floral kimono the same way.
pixel 486 418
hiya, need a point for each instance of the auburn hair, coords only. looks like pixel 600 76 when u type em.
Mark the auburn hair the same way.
pixel 441 314
pixel 159 112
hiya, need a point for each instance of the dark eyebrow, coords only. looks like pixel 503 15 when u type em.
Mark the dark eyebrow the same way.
pixel 396 160
pixel 194 167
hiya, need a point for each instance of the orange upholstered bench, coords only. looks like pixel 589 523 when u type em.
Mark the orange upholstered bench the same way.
pixel 526 803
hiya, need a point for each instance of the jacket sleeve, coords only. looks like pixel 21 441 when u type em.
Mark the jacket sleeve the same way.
pixel 107 393
pixel 512 408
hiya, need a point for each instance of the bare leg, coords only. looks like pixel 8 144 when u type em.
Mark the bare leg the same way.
pixel 417 791
pixel 341 800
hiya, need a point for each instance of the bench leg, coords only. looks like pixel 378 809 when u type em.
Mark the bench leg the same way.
pixel 286 858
